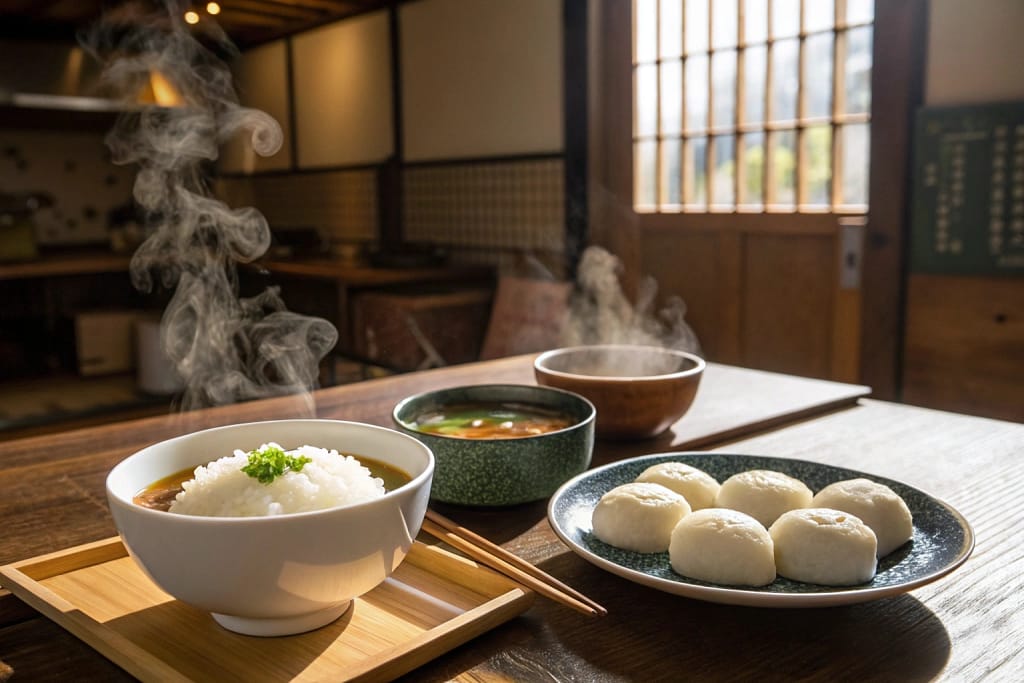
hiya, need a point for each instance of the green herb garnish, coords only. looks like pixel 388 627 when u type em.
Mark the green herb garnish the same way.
pixel 270 463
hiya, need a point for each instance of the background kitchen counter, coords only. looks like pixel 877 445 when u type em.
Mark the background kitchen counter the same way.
pixel 336 291
pixel 72 262
pixel 67 342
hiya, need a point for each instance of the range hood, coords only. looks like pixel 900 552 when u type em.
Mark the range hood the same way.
pixel 63 77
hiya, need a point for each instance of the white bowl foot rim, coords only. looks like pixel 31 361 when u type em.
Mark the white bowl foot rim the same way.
pixel 281 626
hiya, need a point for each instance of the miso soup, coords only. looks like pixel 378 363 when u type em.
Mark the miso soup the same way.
pixel 491 421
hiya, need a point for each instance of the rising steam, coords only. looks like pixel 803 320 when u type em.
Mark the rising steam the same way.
pixel 601 313
pixel 225 348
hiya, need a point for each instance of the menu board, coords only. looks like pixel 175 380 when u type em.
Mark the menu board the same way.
pixel 968 190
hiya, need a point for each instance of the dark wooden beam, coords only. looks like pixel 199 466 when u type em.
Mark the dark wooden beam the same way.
pixel 275 8
pixel 574 70
pixel 389 178
pixel 897 89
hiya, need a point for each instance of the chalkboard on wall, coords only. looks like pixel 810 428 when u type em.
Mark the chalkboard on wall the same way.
pixel 968 190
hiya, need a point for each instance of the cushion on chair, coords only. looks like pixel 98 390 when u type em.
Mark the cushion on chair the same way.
pixel 527 316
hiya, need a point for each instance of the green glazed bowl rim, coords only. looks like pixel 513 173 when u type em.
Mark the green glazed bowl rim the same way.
pixel 425 396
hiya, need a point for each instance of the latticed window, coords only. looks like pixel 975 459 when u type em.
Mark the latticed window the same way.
pixel 751 105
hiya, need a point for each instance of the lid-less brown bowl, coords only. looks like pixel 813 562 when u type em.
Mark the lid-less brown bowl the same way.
pixel 639 391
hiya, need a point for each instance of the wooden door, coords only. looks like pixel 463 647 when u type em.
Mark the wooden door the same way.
pixel 781 291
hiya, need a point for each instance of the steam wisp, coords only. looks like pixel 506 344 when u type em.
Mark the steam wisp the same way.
pixel 601 313
pixel 225 348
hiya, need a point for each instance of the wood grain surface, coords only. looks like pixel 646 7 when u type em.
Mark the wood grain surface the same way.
pixel 960 628
pixel 971 622
pixel 60 478
pixel 963 347
pixel 433 602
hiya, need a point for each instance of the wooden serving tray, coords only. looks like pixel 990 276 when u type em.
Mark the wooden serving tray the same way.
pixel 433 602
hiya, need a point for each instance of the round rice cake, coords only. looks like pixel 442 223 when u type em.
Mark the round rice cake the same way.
pixel 824 546
pixel 638 516
pixel 876 505
pixel 723 546
pixel 697 486
pixel 763 494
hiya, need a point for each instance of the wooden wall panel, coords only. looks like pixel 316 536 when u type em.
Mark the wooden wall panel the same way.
pixel 788 303
pixel 480 79
pixel 261 78
pixel 343 97
pixel 686 265
pixel 964 348
pixel 759 300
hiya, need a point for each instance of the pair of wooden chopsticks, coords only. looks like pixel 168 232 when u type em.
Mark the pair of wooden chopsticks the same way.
pixel 496 557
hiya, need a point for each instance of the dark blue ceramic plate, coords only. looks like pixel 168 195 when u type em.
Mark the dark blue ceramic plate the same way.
pixel 942 539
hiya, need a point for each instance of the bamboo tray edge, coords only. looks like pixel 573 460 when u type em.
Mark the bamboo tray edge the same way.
pixel 380 638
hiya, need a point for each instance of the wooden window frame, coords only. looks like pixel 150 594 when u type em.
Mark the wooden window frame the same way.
pixel 897 82
pixel 739 128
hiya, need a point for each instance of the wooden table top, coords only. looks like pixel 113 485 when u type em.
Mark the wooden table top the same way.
pixel 959 628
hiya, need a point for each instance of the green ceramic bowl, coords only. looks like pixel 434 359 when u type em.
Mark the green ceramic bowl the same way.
pixel 502 471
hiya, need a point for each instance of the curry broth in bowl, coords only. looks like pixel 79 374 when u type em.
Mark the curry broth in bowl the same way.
pixel 161 493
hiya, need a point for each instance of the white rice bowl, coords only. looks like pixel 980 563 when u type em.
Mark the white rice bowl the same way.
pixel 281 574
pixel 330 479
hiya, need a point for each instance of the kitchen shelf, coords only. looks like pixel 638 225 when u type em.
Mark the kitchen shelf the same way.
pixel 39 404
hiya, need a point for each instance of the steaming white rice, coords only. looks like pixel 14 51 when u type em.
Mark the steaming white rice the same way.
pixel 222 489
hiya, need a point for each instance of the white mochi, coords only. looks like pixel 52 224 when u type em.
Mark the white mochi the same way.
pixel 723 546
pixel 824 546
pixel 697 486
pixel 876 504
pixel 638 516
pixel 763 494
